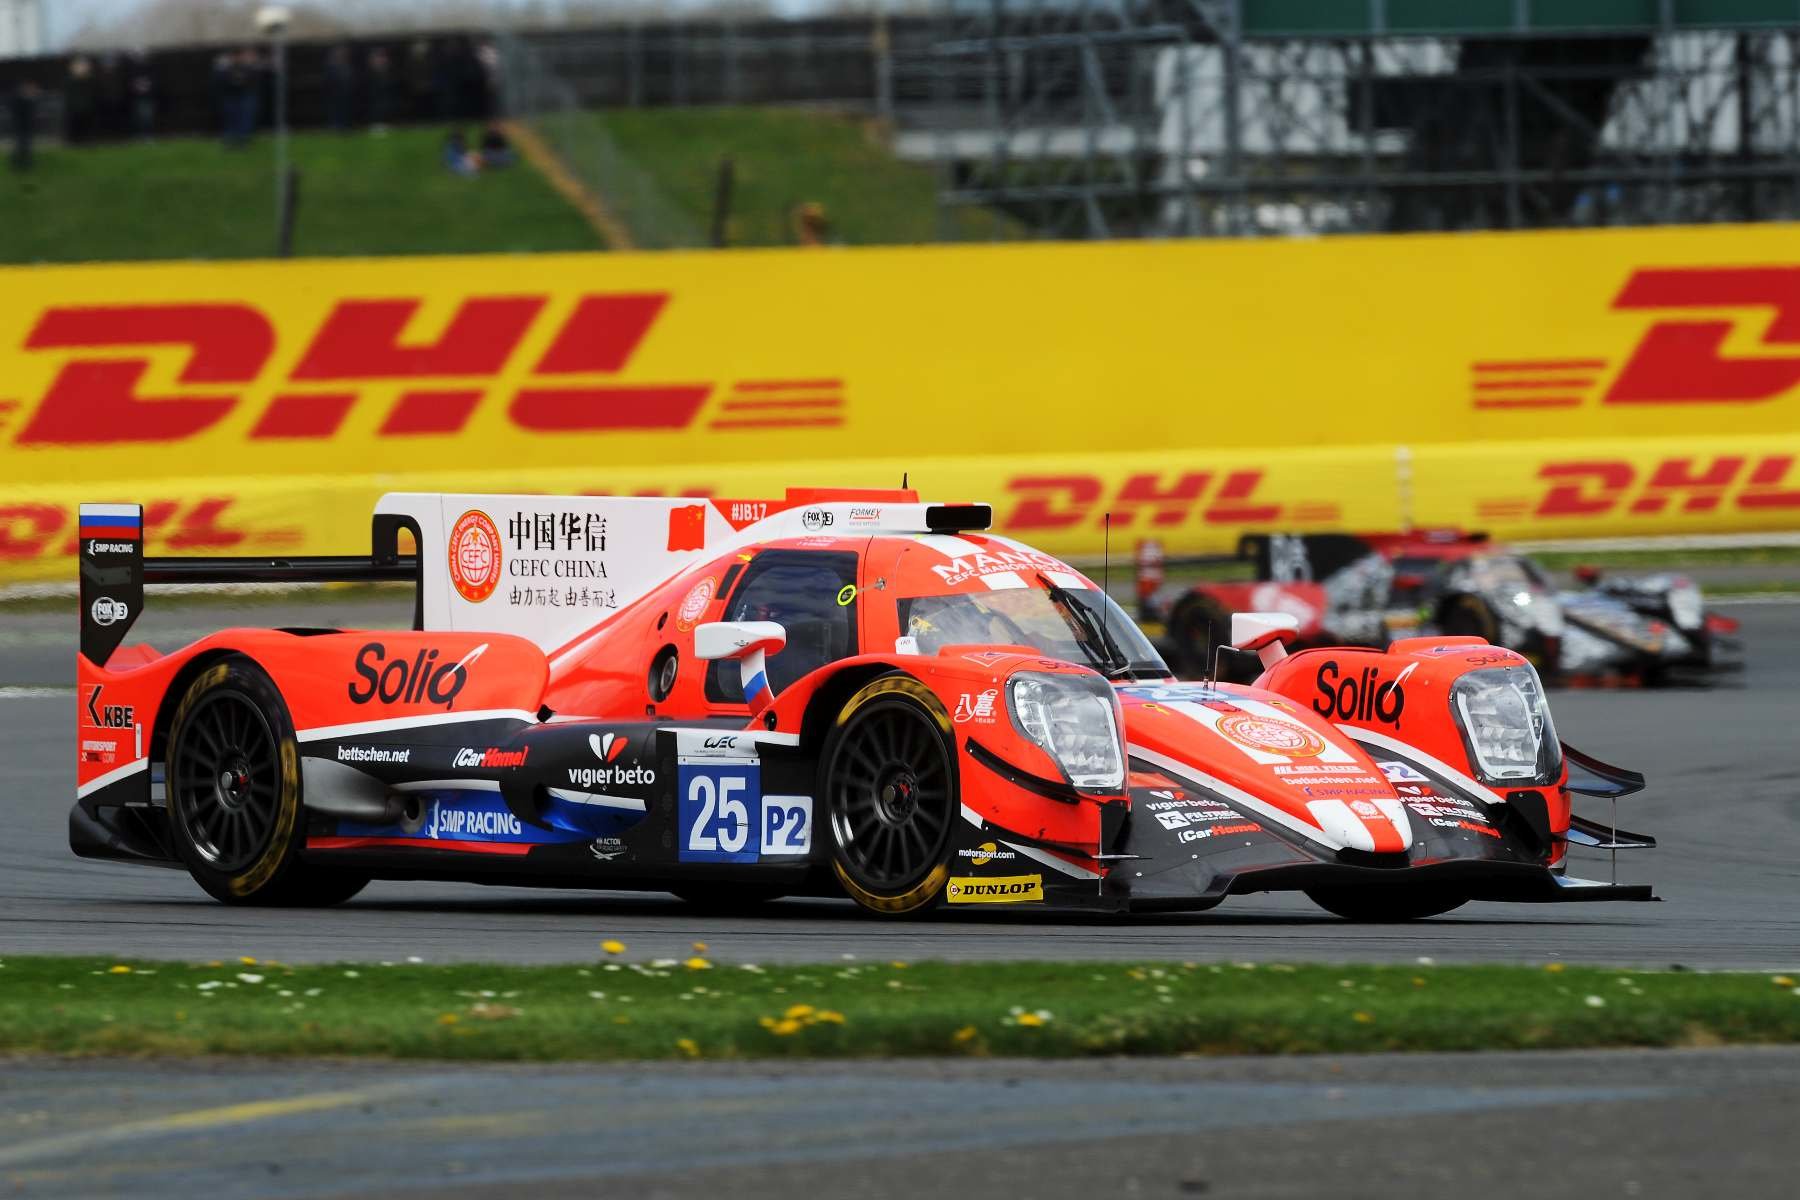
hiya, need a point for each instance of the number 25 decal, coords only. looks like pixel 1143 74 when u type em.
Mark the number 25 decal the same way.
pixel 724 817
pixel 723 822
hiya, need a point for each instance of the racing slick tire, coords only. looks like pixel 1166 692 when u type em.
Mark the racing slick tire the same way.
pixel 1469 616
pixel 1198 626
pixel 1385 905
pixel 888 779
pixel 233 787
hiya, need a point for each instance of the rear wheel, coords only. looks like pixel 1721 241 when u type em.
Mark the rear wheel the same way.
pixel 890 789
pixel 233 786
pixel 1385 904
pixel 1198 626
pixel 1469 616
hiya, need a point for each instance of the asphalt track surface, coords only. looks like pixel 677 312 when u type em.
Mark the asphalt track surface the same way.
pixel 1722 800
pixel 1547 1126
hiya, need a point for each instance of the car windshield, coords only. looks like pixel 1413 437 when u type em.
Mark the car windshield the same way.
pixel 1076 625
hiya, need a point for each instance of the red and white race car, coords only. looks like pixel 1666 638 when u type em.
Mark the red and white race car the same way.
pixel 839 692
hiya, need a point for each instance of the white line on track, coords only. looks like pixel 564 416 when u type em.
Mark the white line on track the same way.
pixel 35 693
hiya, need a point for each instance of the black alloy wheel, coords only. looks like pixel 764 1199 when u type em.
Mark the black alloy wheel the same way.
pixel 890 791
pixel 227 788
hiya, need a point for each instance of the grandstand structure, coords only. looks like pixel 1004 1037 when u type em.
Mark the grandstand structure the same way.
pixel 1121 118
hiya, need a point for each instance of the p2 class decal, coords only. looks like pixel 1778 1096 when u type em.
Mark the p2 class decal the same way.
pixel 723 816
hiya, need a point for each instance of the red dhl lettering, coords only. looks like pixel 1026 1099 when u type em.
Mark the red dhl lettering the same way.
pixel 95 398
pixel 32 530
pixel 1679 362
pixel 1598 487
pixel 1074 501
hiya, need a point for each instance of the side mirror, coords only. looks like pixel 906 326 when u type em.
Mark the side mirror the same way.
pixel 1267 633
pixel 749 642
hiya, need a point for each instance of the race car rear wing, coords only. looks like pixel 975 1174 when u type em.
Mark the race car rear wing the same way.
pixel 114 571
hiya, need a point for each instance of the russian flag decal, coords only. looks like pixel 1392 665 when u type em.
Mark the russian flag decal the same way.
pixel 115 522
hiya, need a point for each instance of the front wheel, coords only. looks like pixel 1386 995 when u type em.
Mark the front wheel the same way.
pixel 233 781
pixel 890 789
pixel 1385 905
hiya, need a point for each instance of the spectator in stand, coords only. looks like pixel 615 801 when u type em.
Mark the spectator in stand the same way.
pixel 143 97
pixel 496 151
pixel 380 82
pixel 23 106
pixel 240 90
pixel 80 100
pixel 458 158
pixel 340 89
pixel 811 226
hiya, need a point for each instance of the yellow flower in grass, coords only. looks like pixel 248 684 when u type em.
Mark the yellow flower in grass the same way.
pixel 1779 981
pixel 798 1012
pixel 1553 968
pixel 784 1027
pixel 1362 1018
pixel 697 964
pixel 967 1033
pixel 448 1018
pixel 247 960
pixel 688 1046
pixel 1029 1019
pixel 613 946
pixel 826 1016
pixel 120 969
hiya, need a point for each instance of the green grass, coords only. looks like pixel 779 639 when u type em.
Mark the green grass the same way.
pixel 360 194
pixel 783 158
pixel 618 1009
pixel 1673 559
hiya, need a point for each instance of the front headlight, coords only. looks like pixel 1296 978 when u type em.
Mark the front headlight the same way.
pixel 1685 607
pixel 1506 727
pixel 1071 719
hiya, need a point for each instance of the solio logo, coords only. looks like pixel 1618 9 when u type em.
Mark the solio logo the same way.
pixel 107 611
pixel 398 681
pixel 1361 697
pixel 474 547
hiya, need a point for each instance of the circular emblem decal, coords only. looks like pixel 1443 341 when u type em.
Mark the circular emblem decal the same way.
pixel 474 556
pixel 695 604
pixel 1271 736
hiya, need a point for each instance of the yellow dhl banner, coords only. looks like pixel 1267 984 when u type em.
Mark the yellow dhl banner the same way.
pixel 1552 384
